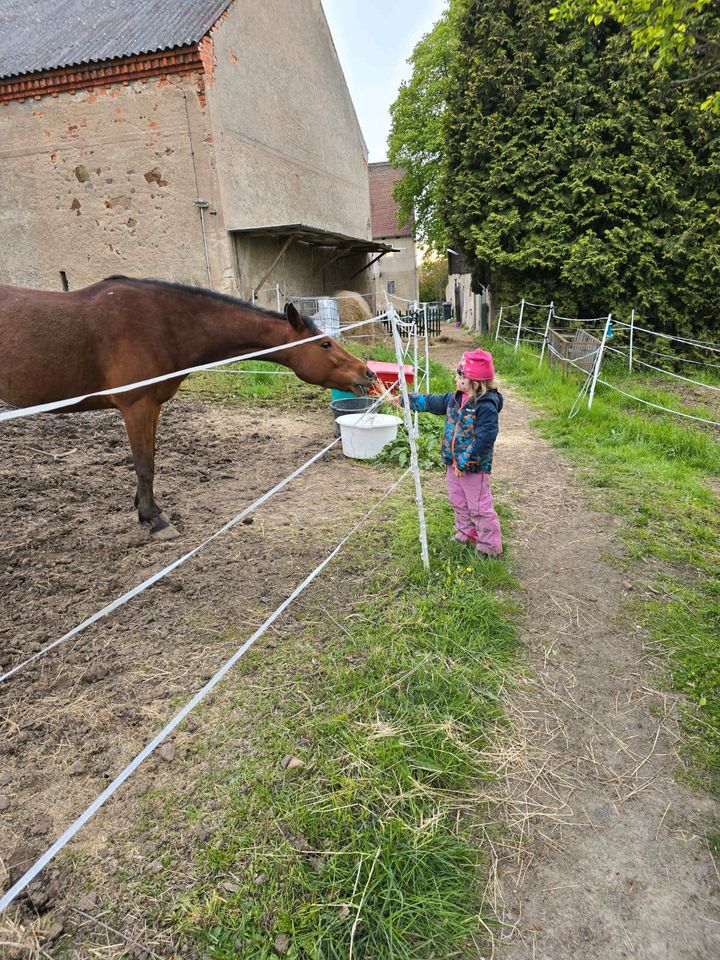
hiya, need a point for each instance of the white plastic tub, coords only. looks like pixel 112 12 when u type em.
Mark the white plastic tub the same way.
pixel 365 434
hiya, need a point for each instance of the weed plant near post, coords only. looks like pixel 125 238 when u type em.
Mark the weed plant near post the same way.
pixel 428 443
pixel 431 429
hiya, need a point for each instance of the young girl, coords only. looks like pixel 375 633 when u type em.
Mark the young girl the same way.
pixel 471 426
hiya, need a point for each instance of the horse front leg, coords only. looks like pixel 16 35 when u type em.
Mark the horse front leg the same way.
pixel 141 419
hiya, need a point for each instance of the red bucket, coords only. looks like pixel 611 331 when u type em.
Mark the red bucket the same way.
pixel 388 374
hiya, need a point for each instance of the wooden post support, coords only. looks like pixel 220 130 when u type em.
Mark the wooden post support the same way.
pixel 285 246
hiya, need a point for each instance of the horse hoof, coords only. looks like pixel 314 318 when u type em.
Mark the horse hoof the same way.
pixel 162 530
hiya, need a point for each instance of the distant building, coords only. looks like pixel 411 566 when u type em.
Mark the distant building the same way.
pixel 396 273
pixel 470 308
pixel 207 141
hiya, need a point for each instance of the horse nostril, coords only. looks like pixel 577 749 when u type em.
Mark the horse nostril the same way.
pixel 371 375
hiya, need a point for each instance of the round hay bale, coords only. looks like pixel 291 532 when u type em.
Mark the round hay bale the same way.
pixel 354 308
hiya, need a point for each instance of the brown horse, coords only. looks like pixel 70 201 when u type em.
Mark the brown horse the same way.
pixel 120 331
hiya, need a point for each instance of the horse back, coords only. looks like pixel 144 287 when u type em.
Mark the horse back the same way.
pixel 56 345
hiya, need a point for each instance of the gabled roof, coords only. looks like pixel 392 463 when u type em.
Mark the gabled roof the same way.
pixel 383 209
pixel 45 34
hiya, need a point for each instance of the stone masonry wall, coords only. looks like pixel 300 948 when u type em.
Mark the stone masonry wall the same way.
pixel 103 181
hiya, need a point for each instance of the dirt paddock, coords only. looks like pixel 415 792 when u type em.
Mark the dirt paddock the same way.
pixel 71 543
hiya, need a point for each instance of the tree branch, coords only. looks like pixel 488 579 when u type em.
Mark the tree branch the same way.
pixel 697 76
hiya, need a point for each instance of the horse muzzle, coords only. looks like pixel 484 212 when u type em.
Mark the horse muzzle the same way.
pixel 360 387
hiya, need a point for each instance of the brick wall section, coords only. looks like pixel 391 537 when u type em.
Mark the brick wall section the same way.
pixel 383 208
pixel 86 76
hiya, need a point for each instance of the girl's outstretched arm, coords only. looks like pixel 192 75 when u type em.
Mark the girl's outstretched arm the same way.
pixel 437 403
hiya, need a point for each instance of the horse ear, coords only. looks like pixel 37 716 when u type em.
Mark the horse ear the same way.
pixel 294 318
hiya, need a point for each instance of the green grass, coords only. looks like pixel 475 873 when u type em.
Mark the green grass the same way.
pixel 653 470
pixel 376 841
pixel 264 383
pixel 276 386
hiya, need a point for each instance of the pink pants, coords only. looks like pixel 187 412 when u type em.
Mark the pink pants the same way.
pixel 475 517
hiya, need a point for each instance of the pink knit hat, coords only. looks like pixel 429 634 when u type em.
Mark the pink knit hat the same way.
pixel 478 365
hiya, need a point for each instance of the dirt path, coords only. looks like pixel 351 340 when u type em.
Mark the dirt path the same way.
pixel 611 861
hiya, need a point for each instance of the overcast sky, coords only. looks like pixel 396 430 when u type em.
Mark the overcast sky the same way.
pixel 374 39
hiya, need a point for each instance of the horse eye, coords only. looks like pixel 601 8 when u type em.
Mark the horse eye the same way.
pixel 326 344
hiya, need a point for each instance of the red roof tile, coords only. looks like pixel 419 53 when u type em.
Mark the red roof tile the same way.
pixel 383 209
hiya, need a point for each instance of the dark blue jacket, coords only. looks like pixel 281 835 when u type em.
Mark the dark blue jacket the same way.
pixel 470 430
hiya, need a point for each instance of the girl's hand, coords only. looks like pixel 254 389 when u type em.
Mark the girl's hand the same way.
pixel 395 401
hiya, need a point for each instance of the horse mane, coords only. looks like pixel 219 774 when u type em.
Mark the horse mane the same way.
pixel 204 292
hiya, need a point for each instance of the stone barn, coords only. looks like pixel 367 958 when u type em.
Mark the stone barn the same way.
pixel 212 142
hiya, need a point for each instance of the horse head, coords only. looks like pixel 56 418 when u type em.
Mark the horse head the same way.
pixel 324 362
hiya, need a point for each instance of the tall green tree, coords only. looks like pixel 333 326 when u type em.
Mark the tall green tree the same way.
pixel 417 137
pixel 673 32
pixel 433 278
pixel 573 172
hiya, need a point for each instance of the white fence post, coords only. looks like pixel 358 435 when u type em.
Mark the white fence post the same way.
pixel 519 328
pixel 598 360
pixel 497 329
pixel 632 333
pixel 277 297
pixel 427 350
pixel 416 372
pixel 551 311
pixel 411 439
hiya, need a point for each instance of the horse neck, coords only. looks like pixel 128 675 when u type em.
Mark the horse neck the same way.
pixel 228 329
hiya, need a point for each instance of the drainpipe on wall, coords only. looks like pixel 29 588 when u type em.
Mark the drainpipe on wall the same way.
pixel 202 206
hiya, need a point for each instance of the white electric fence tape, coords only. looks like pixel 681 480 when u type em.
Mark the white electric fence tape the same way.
pixel 677 358
pixel 146 584
pixel 264 373
pixel 575 360
pixel 78 824
pixel 698 344
pixel 677 376
pixel 658 406
pixel 59 404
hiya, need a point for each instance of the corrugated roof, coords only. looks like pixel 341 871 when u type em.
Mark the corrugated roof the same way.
pixel 383 209
pixel 44 34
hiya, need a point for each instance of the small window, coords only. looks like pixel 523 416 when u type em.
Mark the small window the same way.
pixel 64 280
pixel 391 287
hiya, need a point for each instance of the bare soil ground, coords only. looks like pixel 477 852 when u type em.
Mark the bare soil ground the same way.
pixel 604 856
pixel 70 543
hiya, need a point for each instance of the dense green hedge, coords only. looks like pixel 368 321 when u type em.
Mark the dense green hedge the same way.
pixel 576 171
